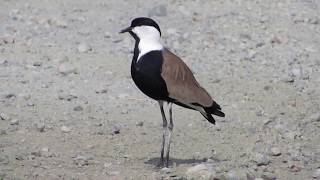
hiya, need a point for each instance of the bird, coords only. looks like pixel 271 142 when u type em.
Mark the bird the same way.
pixel 166 78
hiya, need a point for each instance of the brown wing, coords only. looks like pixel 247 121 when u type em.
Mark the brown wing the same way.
pixel 181 83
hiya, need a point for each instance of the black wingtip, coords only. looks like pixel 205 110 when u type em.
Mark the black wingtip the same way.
pixel 209 118
pixel 219 113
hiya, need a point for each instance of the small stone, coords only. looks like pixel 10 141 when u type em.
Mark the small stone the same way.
pixel 313 118
pixel 114 173
pixel 275 151
pixel 30 104
pixel 275 40
pixel 140 123
pixel 84 48
pixel 101 91
pixel 166 170
pixel 124 111
pixel 7 40
pixel 4 159
pixel 268 176
pixel 14 122
pixel 65 129
pixel 197 168
pixel 314 20
pixel 3 132
pixel 4 117
pixel 37 64
pixel 159 10
pixel 261 159
pixel 116 129
pixel 316 174
pixel 40 126
pixel 66 69
pixel 19 157
pixel 107 35
pixel 58 22
pixel 236 174
pixel 45 149
pixel 287 79
pixel 67 97
pixel 296 72
pixel 295 168
pixel 78 108
pixel 259 113
pixel 36 153
pixel 3 61
pixel 10 95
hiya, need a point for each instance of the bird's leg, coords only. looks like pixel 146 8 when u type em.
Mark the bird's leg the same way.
pixel 164 132
pixel 170 127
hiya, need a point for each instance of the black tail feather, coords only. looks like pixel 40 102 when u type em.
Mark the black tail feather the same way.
pixel 214 109
pixel 209 118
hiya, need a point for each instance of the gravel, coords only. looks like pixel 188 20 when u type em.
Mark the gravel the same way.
pixel 65 129
pixel 66 90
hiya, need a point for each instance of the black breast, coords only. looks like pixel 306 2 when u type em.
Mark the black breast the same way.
pixel 146 73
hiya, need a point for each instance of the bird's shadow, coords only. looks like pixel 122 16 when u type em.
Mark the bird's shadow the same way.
pixel 155 161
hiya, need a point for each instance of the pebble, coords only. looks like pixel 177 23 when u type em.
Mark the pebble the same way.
pixel 30 104
pixel 261 159
pixel 65 129
pixel 295 168
pixel 114 173
pixel 313 118
pixel 316 174
pixel 276 40
pixel 159 10
pixel 14 122
pixel 140 123
pixel 4 117
pixel 40 126
pixel 4 159
pixel 67 97
pixel 296 72
pixel 37 64
pixel 10 95
pixel 116 129
pixel 66 68
pixel 3 61
pixel 78 108
pixel 236 175
pixel 197 169
pixel 3 132
pixel 7 40
pixel 107 34
pixel 287 79
pixel 101 91
pixel 166 170
pixel 59 22
pixel 275 151
pixel 268 176
pixel 84 48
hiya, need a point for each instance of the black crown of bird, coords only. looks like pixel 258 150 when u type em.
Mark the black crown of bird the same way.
pixel 164 77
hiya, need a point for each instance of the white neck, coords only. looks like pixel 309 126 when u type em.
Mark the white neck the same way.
pixel 147 45
pixel 149 39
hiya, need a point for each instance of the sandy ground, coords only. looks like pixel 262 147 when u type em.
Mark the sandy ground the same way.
pixel 69 109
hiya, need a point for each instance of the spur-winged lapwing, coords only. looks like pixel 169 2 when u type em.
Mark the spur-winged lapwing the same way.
pixel 163 76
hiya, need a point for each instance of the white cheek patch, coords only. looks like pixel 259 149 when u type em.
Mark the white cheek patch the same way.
pixel 149 39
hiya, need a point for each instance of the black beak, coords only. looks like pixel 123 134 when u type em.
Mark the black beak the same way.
pixel 128 29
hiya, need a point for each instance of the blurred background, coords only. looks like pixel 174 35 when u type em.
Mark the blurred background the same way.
pixel 69 109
